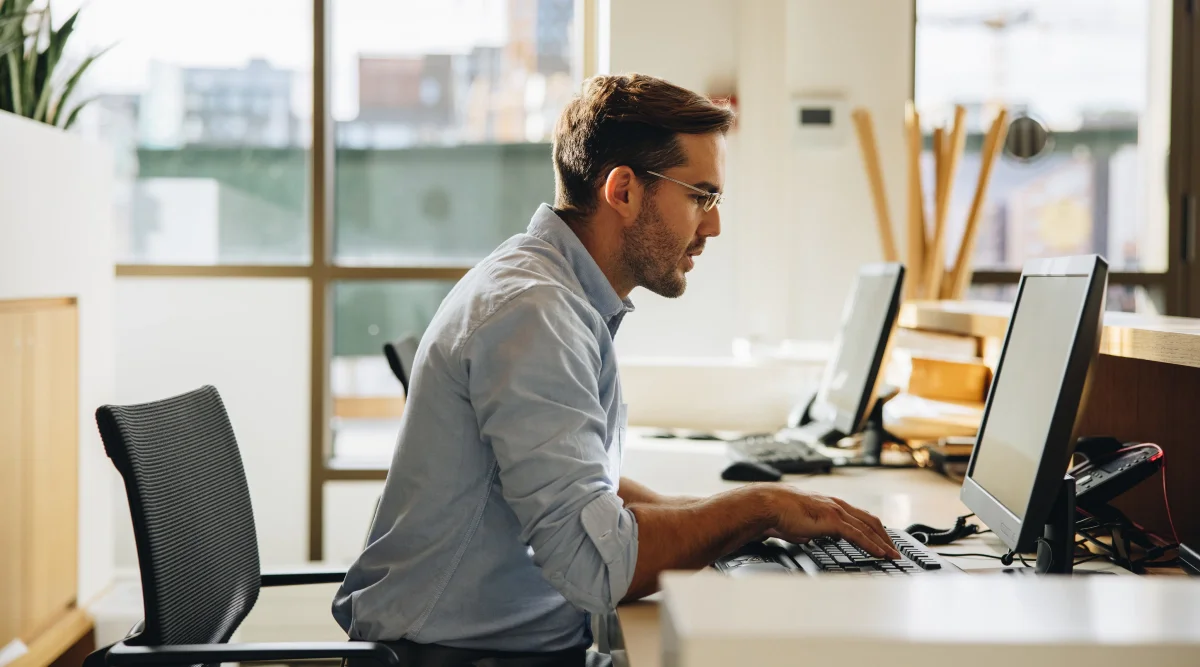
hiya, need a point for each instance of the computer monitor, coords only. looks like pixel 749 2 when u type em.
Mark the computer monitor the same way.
pixel 851 379
pixel 1025 439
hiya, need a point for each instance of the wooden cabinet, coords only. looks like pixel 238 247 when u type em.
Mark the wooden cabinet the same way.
pixel 39 475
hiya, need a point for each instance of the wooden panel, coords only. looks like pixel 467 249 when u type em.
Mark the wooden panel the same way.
pixel 51 466
pixel 368 407
pixel 1147 401
pixel 59 638
pixel 12 505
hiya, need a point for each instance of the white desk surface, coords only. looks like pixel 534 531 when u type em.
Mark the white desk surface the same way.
pixel 899 497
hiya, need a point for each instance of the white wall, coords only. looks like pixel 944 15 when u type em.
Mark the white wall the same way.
pixel 862 49
pixel 56 240
pixel 699 51
pixel 799 220
pixel 249 338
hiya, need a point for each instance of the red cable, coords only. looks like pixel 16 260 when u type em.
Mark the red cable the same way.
pixel 1163 471
pixel 1166 502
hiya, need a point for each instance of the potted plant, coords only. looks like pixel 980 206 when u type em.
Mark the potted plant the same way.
pixel 35 81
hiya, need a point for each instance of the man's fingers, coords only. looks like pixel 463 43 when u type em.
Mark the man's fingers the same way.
pixel 877 546
pixel 870 520
pixel 848 531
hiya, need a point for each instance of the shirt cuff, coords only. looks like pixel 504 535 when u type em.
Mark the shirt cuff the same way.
pixel 613 531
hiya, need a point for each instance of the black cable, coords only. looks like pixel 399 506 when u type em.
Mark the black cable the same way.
pixel 948 555
pixel 1108 549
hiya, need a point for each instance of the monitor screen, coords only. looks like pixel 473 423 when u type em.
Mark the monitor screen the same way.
pixel 866 324
pixel 1026 390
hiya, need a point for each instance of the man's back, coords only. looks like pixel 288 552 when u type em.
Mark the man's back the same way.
pixel 501 498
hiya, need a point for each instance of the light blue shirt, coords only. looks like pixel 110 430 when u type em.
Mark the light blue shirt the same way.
pixel 500 526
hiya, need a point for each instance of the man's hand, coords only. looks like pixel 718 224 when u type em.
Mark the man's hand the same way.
pixel 801 516
pixel 689 536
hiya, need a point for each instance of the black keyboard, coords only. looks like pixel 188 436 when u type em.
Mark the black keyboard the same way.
pixel 787 456
pixel 828 556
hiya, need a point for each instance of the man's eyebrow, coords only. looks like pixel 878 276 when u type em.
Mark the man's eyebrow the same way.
pixel 707 186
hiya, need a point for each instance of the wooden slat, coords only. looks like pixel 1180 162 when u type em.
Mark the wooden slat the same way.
pixel 68 629
pixel 865 129
pixel 960 277
pixel 368 407
pixel 51 466
pixel 23 305
pixel 1168 340
pixel 951 150
pixel 12 497
pixel 916 204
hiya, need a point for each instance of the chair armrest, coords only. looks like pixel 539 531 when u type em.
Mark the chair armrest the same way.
pixel 122 655
pixel 302 577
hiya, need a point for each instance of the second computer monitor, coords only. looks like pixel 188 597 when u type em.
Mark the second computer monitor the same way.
pixel 1025 439
pixel 852 378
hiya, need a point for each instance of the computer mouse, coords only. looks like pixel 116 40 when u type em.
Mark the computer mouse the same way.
pixel 750 471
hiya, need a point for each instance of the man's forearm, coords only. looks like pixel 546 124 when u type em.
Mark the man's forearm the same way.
pixel 689 536
pixel 635 493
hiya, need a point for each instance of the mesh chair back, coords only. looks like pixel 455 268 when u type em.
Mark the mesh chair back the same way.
pixel 192 520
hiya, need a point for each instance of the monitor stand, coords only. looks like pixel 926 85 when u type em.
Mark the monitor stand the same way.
pixel 1056 546
pixel 874 433
pixel 874 437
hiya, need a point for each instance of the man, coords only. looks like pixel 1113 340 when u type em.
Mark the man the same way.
pixel 504 522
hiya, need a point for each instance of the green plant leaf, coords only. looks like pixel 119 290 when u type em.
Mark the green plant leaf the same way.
pixel 10 32
pixel 5 94
pixel 58 39
pixel 14 80
pixel 75 112
pixel 61 105
pixel 48 63
pixel 32 55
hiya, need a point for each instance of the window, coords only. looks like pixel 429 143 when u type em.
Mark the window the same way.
pixel 442 121
pixel 368 399
pixel 444 113
pixel 1096 73
pixel 199 182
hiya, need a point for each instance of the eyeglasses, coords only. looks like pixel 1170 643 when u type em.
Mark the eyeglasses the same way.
pixel 708 202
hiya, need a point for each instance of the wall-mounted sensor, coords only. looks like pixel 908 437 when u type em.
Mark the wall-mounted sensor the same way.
pixel 819 121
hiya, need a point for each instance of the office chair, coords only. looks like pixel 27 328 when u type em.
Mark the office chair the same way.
pixel 196 542
pixel 400 355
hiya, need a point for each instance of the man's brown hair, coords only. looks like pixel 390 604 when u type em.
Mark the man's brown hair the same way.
pixel 630 120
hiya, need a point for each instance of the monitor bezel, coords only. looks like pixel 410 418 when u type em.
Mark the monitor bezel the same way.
pixel 1018 533
pixel 850 422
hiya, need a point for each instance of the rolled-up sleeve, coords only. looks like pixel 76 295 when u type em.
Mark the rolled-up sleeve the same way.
pixel 533 376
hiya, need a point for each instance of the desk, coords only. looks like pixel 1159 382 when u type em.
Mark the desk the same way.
pixel 899 497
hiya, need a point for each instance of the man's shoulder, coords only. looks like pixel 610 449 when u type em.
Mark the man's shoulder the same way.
pixel 525 272
pixel 526 261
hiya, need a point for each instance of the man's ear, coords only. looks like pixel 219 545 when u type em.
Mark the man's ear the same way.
pixel 623 193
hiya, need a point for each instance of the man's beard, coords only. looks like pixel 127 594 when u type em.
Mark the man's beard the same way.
pixel 652 254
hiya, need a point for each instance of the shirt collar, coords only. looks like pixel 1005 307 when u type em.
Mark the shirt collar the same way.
pixel 547 226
